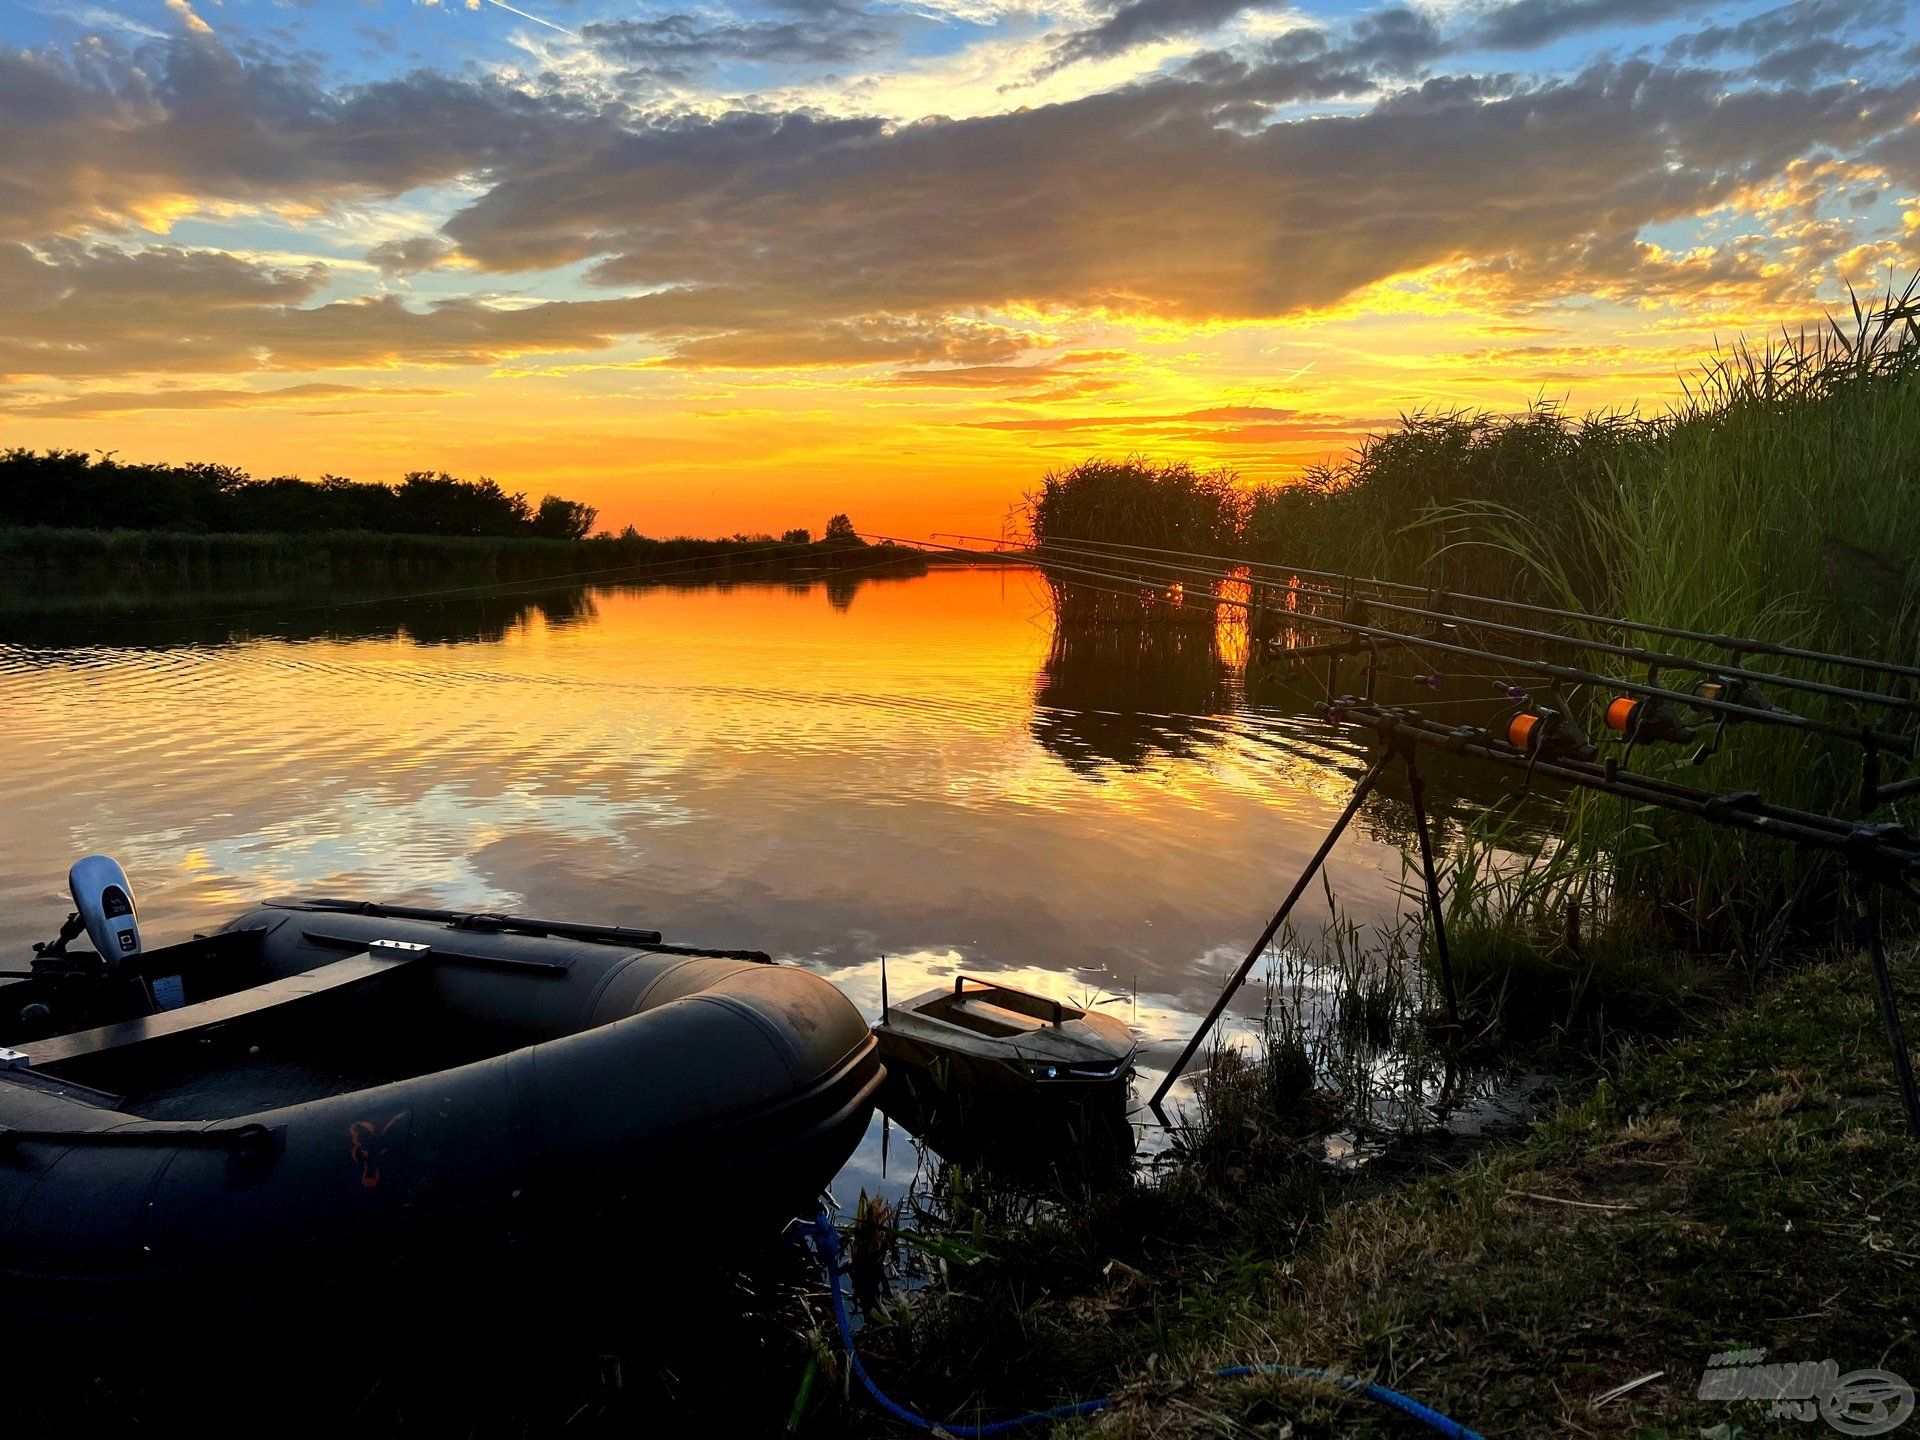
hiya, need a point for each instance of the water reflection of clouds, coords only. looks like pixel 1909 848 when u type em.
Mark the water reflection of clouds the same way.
pixel 748 766
pixel 374 838
pixel 915 776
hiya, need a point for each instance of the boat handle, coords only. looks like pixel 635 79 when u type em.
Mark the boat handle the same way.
pixel 960 981
pixel 232 1137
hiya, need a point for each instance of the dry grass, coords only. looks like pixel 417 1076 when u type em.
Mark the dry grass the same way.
pixel 1747 1187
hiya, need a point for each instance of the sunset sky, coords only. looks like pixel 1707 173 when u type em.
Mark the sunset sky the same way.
pixel 736 266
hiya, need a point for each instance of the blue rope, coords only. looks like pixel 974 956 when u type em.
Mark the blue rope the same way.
pixel 826 1242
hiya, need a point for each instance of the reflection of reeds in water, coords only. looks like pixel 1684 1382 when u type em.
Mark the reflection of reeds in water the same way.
pixel 158 610
pixel 1125 696
pixel 1345 1062
pixel 139 610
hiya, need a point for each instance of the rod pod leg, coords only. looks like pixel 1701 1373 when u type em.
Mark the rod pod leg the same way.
pixel 1432 878
pixel 1866 909
pixel 1360 793
pixel 1783 922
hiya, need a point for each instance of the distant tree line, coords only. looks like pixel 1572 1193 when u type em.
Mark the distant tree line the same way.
pixel 96 492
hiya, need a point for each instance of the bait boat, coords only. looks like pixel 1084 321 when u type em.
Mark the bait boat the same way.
pixel 978 1035
pixel 268 1108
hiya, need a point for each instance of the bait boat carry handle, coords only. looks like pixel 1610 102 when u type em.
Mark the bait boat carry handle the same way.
pixel 1025 1000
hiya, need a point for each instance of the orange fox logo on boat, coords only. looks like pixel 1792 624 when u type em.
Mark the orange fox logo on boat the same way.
pixel 370 1143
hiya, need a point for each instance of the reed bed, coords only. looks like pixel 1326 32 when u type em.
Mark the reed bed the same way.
pixel 1780 499
pixel 1136 502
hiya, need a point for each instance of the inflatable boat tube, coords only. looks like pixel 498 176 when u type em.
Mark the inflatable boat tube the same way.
pixel 318 1087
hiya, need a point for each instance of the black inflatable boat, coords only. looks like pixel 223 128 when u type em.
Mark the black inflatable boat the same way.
pixel 323 1086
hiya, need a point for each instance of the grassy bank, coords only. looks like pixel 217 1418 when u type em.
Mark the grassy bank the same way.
pixel 1747 1186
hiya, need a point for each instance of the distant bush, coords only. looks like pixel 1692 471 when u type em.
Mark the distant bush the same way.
pixel 73 489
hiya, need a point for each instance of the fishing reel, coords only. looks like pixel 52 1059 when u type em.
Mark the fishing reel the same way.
pixel 1541 732
pixel 1730 689
pixel 1648 719
pixel 1734 689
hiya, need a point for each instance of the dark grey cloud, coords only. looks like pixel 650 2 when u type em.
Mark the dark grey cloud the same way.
pixel 1387 42
pixel 1786 26
pixel 76 310
pixel 682 45
pixel 1529 24
pixel 1803 64
pixel 1142 201
pixel 410 256
pixel 98 135
pixel 1787 30
pixel 1142 23
pixel 83 310
pixel 1898 153
pixel 1398 39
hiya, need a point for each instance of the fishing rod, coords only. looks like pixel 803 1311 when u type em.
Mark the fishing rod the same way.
pixel 1876 854
pixel 1655 659
pixel 1738 643
pixel 1572 675
pixel 1885 844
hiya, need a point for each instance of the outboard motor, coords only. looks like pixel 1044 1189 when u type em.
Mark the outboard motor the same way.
pixel 104 899
pixel 103 907
pixel 105 984
pixel 98 987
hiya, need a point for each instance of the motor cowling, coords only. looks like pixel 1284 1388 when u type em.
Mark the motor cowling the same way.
pixel 103 896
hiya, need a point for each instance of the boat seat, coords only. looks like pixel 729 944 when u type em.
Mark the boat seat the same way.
pixel 381 959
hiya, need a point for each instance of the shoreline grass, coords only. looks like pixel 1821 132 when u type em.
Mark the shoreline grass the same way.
pixel 1746 1186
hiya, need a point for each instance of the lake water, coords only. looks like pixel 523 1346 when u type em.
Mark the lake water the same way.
pixel 829 772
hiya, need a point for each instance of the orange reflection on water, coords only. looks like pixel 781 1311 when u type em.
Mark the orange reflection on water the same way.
pixel 828 771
